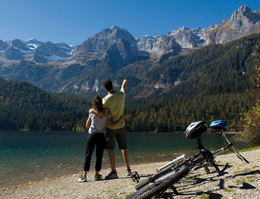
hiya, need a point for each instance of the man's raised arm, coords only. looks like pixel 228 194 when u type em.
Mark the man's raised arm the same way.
pixel 125 82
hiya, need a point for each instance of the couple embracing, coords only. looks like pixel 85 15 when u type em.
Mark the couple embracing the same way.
pixel 106 116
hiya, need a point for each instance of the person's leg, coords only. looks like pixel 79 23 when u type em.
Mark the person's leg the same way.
pixel 126 158
pixel 100 142
pixel 121 138
pixel 109 145
pixel 112 158
pixel 113 173
pixel 88 153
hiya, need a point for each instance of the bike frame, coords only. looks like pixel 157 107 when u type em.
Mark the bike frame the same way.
pixel 203 158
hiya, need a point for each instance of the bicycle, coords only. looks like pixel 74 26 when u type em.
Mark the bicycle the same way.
pixel 178 168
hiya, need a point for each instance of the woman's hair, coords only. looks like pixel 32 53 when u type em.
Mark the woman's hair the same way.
pixel 97 103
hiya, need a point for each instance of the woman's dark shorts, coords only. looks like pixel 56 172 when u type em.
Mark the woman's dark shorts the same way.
pixel 116 134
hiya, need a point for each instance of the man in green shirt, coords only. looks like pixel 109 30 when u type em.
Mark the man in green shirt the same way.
pixel 114 102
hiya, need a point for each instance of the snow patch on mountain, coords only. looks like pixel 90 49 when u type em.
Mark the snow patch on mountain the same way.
pixel 53 58
pixel 32 50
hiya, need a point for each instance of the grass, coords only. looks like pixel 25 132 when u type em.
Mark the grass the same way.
pixel 228 190
pixel 106 191
pixel 113 195
pixel 241 181
pixel 250 178
pixel 245 170
pixel 197 176
pixel 205 196
pixel 129 194
pixel 250 149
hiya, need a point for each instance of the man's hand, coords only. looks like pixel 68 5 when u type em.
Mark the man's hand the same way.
pixel 125 82
pixel 122 118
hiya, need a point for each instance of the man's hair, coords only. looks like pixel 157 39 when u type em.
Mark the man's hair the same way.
pixel 108 84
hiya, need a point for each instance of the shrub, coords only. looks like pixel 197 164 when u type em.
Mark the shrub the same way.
pixel 251 133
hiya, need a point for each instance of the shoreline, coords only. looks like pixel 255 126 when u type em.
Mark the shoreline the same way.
pixel 240 180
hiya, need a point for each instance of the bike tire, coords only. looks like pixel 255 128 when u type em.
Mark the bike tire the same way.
pixel 147 180
pixel 161 187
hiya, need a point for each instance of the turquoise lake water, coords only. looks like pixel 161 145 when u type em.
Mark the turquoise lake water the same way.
pixel 35 156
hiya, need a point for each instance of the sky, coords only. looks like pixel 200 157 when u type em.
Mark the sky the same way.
pixel 74 21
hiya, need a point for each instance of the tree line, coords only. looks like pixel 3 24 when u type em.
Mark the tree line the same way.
pixel 18 110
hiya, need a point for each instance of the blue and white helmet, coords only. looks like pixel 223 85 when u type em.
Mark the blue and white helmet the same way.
pixel 219 124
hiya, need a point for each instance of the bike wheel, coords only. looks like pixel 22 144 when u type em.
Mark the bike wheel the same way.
pixel 148 180
pixel 145 193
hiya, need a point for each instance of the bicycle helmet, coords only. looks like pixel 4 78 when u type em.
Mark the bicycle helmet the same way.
pixel 195 129
pixel 219 124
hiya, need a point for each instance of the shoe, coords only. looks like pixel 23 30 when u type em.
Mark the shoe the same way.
pixel 98 177
pixel 129 172
pixel 82 178
pixel 111 175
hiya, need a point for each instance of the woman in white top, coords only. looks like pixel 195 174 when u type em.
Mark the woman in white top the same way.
pixel 96 137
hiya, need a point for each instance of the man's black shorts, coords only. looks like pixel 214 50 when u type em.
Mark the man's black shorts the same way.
pixel 116 134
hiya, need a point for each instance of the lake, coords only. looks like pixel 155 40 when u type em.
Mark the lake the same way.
pixel 35 156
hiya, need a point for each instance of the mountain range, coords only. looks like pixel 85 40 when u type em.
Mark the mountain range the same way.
pixel 114 53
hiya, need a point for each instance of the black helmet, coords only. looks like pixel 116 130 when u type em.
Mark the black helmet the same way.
pixel 195 129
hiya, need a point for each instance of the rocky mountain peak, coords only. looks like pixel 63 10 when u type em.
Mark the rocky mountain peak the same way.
pixel 184 37
pixel 114 27
pixel 19 44
pixel 242 12
pixel 3 45
pixel 112 39
pixel 32 40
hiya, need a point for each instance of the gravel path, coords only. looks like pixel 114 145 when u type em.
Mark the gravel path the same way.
pixel 241 180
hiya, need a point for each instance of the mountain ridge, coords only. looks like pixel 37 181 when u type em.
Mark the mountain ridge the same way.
pixel 107 54
pixel 96 46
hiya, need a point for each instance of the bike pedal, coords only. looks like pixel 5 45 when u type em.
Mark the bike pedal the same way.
pixel 135 176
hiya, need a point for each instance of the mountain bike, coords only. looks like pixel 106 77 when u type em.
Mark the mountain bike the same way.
pixel 178 168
